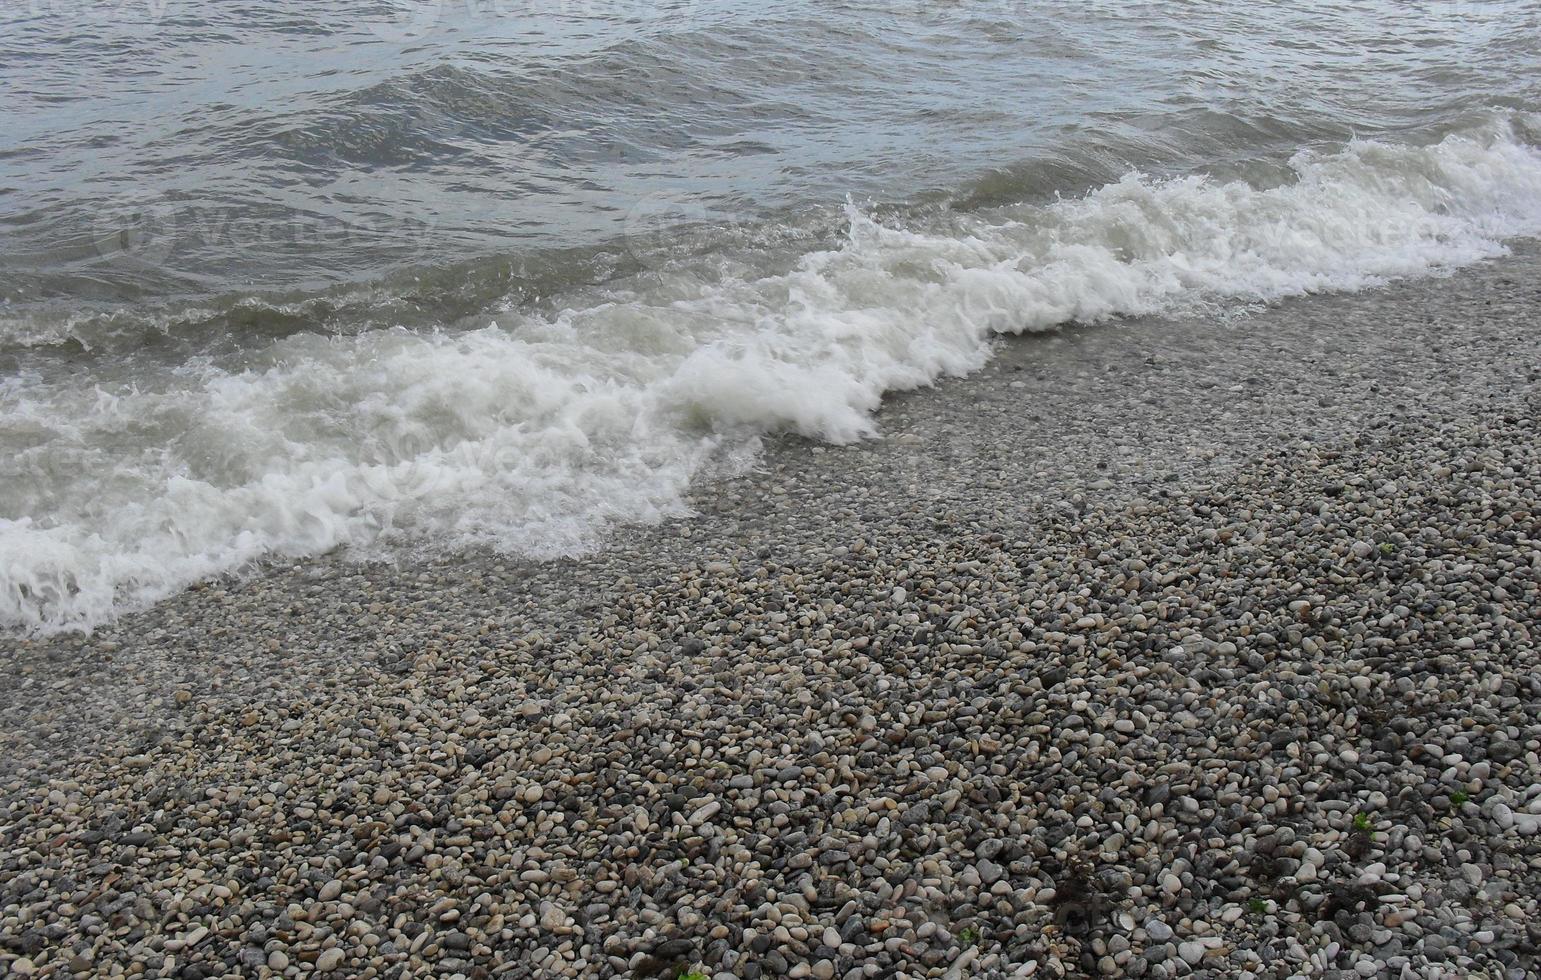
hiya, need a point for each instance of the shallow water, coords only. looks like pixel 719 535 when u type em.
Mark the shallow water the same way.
pixel 283 277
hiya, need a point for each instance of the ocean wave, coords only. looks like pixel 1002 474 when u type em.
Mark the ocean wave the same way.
pixel 538 433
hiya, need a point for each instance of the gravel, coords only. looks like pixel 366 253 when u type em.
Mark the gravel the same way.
pixel 1268 707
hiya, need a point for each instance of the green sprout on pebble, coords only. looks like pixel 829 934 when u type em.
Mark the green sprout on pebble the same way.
pixel 692 975
pixel 1459 798
pixel 1257 906
pixel 969 936
pixel 1387 548
pixel 1362 822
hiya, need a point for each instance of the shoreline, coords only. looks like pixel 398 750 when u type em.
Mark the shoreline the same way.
pixel 1107 413
pixel 910 684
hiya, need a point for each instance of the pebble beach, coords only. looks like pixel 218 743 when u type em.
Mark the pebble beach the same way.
pixel 1196 647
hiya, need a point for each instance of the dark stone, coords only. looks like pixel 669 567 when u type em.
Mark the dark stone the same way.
pixel 252 959
pixel 1505 751
pixel 673 948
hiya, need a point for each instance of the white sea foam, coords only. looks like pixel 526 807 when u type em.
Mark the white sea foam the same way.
pixel 537 434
